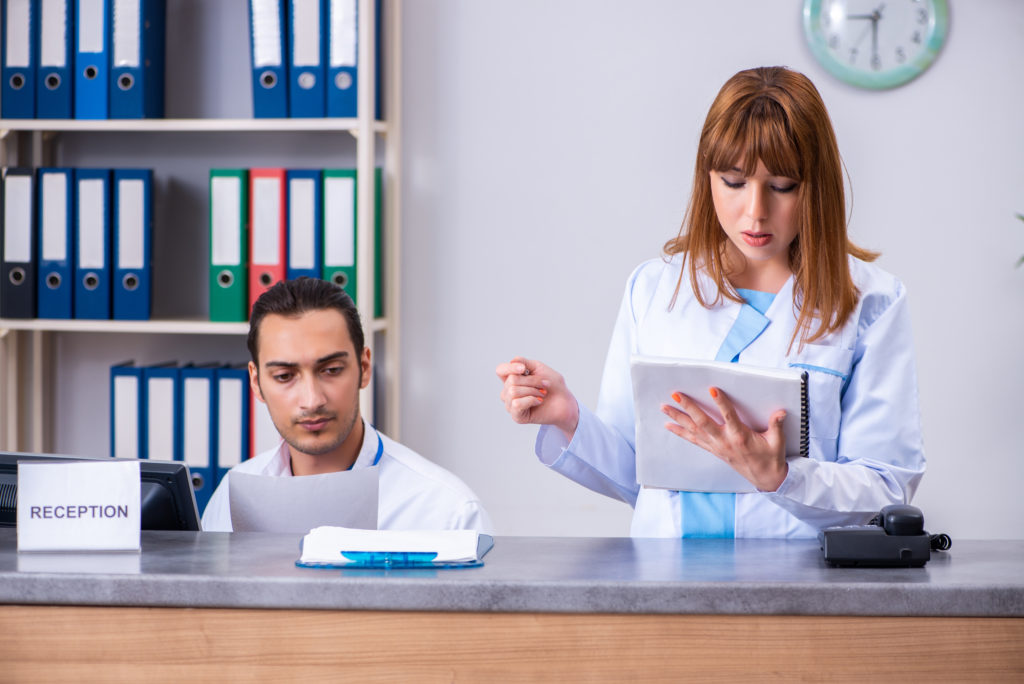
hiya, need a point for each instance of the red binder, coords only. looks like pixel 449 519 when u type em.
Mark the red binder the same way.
pixel 268 230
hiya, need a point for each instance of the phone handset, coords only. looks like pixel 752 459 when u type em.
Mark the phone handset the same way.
pixel 900 520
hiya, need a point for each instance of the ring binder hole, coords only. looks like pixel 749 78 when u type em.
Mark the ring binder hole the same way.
pixel 130 283
pixel 53 281
pixel 125 82
pixel 266 279
pixel 91 72
pixel 268 79
pixel 340 279
pixel 17 81
pixel 17 276
pixel 225 279
pixel 343 81
pixel 53 81
pixel 91 281
pixel 306 80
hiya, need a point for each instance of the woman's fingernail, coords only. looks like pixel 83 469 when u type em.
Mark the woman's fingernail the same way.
pixel 677 397
pixel 714 392
pixel 543 391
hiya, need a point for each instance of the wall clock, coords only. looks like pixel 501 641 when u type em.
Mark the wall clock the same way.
pixel 876 44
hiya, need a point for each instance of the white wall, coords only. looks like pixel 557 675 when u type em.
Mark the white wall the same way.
pixel 548 148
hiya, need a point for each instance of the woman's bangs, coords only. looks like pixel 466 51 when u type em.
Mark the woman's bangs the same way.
pixel 761 135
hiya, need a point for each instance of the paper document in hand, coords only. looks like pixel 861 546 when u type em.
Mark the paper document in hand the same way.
pixel 668 461
pixel 341 546
pixel 264 503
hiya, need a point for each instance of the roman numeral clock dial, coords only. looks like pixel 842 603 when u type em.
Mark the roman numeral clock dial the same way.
pixel 876 44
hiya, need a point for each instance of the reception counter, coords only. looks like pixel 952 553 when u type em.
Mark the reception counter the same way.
pixel 218 605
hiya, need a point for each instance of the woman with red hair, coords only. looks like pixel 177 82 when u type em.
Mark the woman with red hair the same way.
pixel 762 273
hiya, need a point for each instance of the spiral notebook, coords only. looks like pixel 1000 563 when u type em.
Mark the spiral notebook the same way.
pixel 666 461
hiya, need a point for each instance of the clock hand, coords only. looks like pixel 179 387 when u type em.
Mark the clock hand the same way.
pixel 860 38
pixel 876 16
pixel 874 41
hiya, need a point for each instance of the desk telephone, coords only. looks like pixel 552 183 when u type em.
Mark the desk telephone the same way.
pixel 894 538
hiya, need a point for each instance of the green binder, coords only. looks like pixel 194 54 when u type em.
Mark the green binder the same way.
pixel 340 228
pixel 229 227
pixel 340 239
pixel 378 252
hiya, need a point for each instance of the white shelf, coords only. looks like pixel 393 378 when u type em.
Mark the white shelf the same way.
pixel 162 327
pixel 187 125
pixel 168 326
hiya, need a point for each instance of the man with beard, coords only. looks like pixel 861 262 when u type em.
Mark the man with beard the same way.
pixel 308 366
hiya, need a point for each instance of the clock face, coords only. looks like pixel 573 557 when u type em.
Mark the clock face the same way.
pixel 876 43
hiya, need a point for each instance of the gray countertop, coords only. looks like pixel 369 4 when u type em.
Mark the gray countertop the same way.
pixel 525 574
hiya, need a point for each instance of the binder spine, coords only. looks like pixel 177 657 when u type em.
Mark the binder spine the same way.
pixel 805 419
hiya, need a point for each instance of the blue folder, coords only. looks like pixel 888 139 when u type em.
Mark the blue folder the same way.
pixel 305 222
pixel 92 243
pixel 268 40
pixel 137 65
pixel 56 194
pixel 199 428
pixel 92 59
pixel 56 59
pixel 18 52
pixel 133 235
pixel 232 417
pixel 307 72
pixel 127 408
pixel 343 57
pixel 161 387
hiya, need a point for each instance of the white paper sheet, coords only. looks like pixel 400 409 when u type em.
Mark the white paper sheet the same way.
pixel 263 503
pixel 325 544
pixel 667 461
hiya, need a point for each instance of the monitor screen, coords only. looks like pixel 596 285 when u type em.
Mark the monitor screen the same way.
pixel 168 500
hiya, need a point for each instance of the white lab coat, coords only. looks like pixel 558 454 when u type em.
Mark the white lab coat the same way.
pixel 415 494
pixel 865 436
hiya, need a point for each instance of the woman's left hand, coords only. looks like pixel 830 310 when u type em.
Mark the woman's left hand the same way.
pixel 760 457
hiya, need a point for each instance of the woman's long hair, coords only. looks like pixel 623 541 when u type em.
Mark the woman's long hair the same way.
pixel 776 116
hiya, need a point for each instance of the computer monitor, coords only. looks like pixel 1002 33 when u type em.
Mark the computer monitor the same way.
pixel 168 500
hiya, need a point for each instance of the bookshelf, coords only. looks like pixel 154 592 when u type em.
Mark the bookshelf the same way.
pixel 209 125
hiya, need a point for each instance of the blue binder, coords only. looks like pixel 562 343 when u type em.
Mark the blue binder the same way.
pixel 133 235
pixel 92 59
pixel 199 428
pixel 56 214
pixel 127 407
pixel 268 39
pixel 343 57
pixel 161 418
pixel 307 73
pixel 20 19
pixel 18 245
pixel 137 68
pixel 305 221
pixel 232 417
pixel 92 243
pixel 56 57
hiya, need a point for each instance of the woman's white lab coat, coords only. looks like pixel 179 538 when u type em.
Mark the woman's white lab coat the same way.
pixel 865 436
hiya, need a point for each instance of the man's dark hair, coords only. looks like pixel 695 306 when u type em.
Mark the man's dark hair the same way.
pixel 296 297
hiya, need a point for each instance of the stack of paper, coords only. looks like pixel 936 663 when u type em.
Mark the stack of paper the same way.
pixel 344 546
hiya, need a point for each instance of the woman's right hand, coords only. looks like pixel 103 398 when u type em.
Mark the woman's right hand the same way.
pixel 534 393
